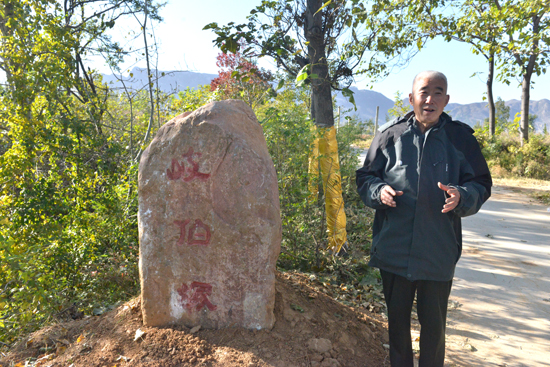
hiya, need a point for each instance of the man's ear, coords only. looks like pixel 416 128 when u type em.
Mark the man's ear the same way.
pixel 411 98
pixel 447 101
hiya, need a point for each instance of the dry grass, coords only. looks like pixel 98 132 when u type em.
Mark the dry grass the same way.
pixel 364 142
pixel 521 182
pixel 537 189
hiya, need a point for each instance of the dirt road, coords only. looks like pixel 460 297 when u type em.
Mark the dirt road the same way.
pixel 500 302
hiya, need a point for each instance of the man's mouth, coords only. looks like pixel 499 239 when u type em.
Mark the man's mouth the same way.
pixel 429 109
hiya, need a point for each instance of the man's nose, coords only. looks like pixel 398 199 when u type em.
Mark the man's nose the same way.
pixel 429 98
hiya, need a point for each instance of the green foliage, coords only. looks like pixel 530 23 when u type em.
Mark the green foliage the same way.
pixel 513 35
pixel 68 195
pixel 400 108
pixel 506 156
pixel 502 113
pixel 67 203
pixel 289 135
pixel 68 172
pixel 192 98
pixel 344 38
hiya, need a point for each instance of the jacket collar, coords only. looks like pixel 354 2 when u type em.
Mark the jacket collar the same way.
pixel 411 120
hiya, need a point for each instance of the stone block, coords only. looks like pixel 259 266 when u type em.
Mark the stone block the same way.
pixel 209 221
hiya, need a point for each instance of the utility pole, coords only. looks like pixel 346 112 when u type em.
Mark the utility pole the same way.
pixel 339 119
pixel 376 120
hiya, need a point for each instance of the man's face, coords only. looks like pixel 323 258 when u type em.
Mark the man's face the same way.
pixel 428 98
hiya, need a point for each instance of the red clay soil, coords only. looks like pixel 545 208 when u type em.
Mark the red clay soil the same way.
pixel 311 329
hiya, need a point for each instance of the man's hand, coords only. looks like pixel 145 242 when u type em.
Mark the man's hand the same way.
pixel 453 199
pixel 386 195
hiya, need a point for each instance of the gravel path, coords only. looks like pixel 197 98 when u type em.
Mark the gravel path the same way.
pixel 500 303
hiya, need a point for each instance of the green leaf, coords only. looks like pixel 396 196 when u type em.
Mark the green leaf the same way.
pixel 230 45
pixel 210 26
pixel 281 84
pixel 346 92
pixel 302 75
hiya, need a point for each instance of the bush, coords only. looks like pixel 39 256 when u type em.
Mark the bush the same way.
pixel 68 204
pixel 289 135
pixel 505 155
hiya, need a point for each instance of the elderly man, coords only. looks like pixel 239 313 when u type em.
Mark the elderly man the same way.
pixel 423 172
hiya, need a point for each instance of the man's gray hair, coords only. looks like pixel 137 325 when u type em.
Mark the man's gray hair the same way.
pixel 432 74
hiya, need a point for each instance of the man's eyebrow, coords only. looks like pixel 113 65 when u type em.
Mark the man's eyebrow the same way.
pixel 438 88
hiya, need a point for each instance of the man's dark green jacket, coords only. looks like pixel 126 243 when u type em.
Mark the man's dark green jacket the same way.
pixel 415 239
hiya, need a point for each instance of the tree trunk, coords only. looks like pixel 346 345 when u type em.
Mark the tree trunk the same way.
pixel 490 99
pixel 525 91
pixel 526 83
pixel 150 82
pixel 321 98
pixel 323 115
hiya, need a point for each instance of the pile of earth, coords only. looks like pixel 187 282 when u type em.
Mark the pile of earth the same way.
pixel 311 329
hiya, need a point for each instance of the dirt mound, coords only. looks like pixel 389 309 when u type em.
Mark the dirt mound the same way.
pixel 311 330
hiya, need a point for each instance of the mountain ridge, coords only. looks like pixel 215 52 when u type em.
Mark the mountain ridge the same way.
pixel 366 100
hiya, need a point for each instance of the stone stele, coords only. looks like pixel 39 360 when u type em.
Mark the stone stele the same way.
pixel 209 221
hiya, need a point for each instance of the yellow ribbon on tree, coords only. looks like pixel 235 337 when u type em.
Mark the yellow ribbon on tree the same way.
pixel 325 153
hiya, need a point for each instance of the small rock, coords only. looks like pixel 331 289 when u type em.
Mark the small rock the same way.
pixel 346 339
pixel 320 345
pixel 317 358
pixel 330 362
pixel 195 329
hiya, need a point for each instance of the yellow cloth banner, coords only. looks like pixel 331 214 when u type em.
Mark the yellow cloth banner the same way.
pixel 325 153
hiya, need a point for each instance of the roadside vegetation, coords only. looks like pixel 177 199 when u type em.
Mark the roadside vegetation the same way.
pixel 68 191
pixel 505 152
pixel 70 148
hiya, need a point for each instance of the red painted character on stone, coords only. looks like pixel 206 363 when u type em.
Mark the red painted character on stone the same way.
pixel 198 234
pixel 186 171
pixel 195 297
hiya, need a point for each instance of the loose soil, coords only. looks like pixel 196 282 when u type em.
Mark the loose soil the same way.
pixel 311 329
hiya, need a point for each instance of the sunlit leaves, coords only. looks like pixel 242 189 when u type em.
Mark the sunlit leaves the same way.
pixel 67 187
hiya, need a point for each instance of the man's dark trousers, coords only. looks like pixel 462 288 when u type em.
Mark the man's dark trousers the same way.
pixel 432 298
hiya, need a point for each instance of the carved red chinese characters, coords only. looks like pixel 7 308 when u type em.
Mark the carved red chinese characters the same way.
pixel 188 169
pixel 195 297
pixel 209 221
pixel 199 233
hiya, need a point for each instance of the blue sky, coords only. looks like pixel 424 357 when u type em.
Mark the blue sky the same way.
pixel 185 46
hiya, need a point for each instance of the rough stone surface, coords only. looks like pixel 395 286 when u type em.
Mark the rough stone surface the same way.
pixel 330 362
pixel 209 221
pixel 320 345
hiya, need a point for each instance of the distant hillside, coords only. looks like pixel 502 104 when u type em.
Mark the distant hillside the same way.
pixel 477 112
pixel 171 82
pixel 366 100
